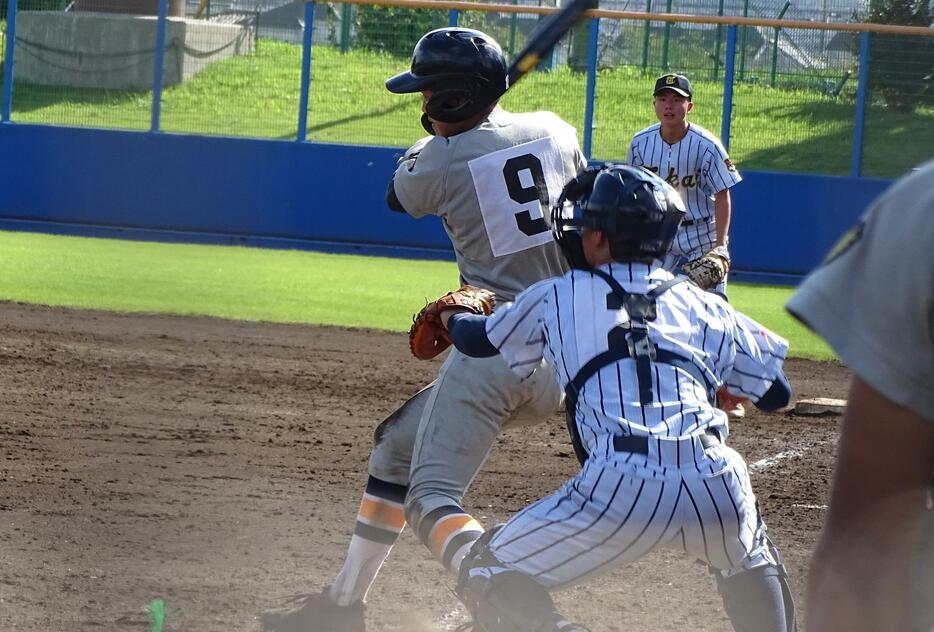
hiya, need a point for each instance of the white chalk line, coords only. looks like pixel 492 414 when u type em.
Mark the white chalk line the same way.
pixel 766 463
pixel 763 464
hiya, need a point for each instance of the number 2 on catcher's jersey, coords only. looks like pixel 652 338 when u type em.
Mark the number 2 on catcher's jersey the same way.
pixel 516 188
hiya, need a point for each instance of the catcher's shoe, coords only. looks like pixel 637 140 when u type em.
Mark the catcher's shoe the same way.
pixel 737 412
pixel 315 613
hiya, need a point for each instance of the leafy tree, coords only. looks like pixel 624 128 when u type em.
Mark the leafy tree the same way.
pixel 394 29
pixel 901 67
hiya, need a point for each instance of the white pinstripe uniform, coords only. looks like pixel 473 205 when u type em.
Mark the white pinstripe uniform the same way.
pixel 679 494
pixel 698 167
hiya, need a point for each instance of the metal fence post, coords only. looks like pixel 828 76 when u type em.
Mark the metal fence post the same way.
pixel 513 28
pixel 548 60
pixel 158 65
pixel 862 93
pixel 778 30
pixel 729 68
pixel 645 39
pixel 742 52
pixel 346 20
pixel 665 65
pixel 716 52
pixel 592 49
pixel 453 17
pixel 306 71
pixel 7 105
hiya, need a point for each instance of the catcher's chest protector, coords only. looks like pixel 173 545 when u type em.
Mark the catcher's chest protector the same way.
pixel 629 340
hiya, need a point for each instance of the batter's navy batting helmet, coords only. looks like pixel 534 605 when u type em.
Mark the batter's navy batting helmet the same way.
pixel 464 69
pixel 638 211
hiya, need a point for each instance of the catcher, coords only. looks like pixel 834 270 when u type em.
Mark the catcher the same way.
pixel 694 162
pixel 492 177
pixel 639 353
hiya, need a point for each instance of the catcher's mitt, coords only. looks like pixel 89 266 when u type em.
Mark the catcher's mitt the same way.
pixel 709 270
pixel 428 337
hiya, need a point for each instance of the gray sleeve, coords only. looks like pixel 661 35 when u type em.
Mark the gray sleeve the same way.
pixel 419 179
pixel 872 299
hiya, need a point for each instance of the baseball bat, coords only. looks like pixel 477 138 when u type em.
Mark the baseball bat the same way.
pixel 542 41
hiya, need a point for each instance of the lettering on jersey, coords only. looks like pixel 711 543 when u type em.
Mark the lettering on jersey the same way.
pixel 516 188
pixel 687 182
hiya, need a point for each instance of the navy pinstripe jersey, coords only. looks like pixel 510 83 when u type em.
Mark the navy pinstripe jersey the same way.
pixel 567 321
pixel 697 166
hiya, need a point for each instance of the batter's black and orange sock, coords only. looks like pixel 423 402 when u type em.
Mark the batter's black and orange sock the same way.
pixel 449 532
pixel 380 520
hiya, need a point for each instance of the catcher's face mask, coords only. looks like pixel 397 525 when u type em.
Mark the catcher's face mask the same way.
pixel 566 226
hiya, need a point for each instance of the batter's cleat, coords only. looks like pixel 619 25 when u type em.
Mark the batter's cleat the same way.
pixel 315 613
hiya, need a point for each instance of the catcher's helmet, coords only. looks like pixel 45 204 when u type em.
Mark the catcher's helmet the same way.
pixel 465 70
pixel 638 211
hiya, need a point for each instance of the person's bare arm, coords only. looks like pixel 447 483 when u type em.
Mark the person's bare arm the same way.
pixel 861 569
pixel 723 214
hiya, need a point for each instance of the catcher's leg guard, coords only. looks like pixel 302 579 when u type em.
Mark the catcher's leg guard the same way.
pixel 503 600
pixel 759 600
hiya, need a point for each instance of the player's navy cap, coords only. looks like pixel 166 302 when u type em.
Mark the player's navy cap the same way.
pixel 678 83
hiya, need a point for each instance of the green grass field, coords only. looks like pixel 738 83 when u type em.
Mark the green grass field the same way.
pixel 284 286
pixel 773 129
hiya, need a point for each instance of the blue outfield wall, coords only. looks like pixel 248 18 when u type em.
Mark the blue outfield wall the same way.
pixel 330 197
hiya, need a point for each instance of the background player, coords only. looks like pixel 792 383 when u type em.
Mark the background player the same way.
pixel 694 162
pixel 491 176
pixel 873 301
pixel 640 353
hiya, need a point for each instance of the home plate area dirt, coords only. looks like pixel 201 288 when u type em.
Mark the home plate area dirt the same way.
pixel 218 466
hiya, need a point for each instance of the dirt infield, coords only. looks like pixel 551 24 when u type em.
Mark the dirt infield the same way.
pixel 218 465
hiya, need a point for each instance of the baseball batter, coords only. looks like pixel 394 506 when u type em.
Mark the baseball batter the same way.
pixel 640 354
pixel 696 165
pixel 491 176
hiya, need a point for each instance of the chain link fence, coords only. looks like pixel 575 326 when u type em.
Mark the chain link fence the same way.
pixel 234 67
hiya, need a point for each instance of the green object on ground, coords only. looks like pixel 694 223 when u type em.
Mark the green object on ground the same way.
pixel 156 613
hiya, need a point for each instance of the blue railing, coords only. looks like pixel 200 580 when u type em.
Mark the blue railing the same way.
pixel 7 103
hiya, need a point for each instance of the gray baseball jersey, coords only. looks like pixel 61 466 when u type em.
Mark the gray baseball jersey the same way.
pixel 872 299
pixel 698 167
pixel 493 188
pixel 679 492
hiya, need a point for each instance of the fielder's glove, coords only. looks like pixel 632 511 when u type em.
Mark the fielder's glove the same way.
pixel 709 270
pixel 428 336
